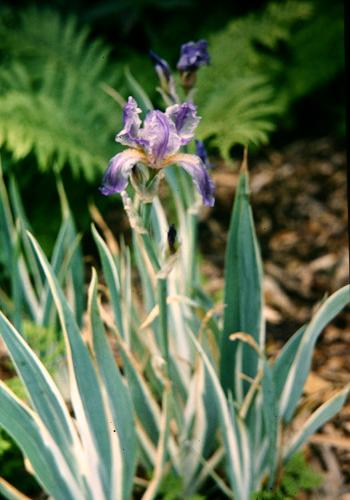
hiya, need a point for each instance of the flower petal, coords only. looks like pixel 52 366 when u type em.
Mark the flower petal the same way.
pixel 185 119
pixel 197 170
pixel 116 177
pixel 193 55
pixel 129 136
pixel 202 153
pixel 160 134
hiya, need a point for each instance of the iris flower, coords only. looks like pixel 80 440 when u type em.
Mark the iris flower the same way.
pixel 193 55
pixel 157 145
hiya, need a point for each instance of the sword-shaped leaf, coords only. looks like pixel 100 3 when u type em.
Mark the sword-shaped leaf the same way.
pixel 43 393
pixel 86 393
pixel 111 275
pixel 243 293
pixel 37 444
pixel 301 365
pixel 324 413
pixel 117 392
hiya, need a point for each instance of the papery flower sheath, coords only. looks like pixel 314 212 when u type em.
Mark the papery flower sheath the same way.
pixel 156 144
pixel 193 55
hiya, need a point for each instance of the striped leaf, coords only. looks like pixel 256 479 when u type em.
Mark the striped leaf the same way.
pixel 86 393
pixel 111 275
pixel 284 360
pixel 42 391
pixel 146 408
pixel 271 419
pixel 119 400
pixel 38 445
pixel 243 294
pixel 301 365
pixel 234 465
pixel 324 413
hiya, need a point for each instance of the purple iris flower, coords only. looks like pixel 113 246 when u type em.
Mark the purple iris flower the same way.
pixel 193 55
pixel 157 145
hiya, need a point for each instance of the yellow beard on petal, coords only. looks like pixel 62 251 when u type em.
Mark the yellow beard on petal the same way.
pixel 177 158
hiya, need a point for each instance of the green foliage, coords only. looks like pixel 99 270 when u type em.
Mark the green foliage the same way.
pixel 261 64
pixel 45 342
pixel 15 384
pixel 297 476
pixel 316 51
pixel 51 101
pixel 172 489
pixel 48 346
pixel 5 442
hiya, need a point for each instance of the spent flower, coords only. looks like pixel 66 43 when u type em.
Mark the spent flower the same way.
pixel 156 145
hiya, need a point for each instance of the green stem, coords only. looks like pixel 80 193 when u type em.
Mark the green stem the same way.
pixel 163 318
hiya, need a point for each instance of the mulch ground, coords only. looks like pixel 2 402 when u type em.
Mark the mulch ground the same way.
pixel 299 199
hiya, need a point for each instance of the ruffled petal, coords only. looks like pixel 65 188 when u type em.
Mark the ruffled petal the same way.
pixel 184 116
pixel 116 177
pixel 160 134
pixel 129 136
pixel 197 170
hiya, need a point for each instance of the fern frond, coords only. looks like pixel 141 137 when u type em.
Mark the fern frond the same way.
pixel 236 94
pixel 243 114
pixel 51 99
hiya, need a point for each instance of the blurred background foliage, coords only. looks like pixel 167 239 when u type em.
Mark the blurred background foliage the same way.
pixel 277 73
